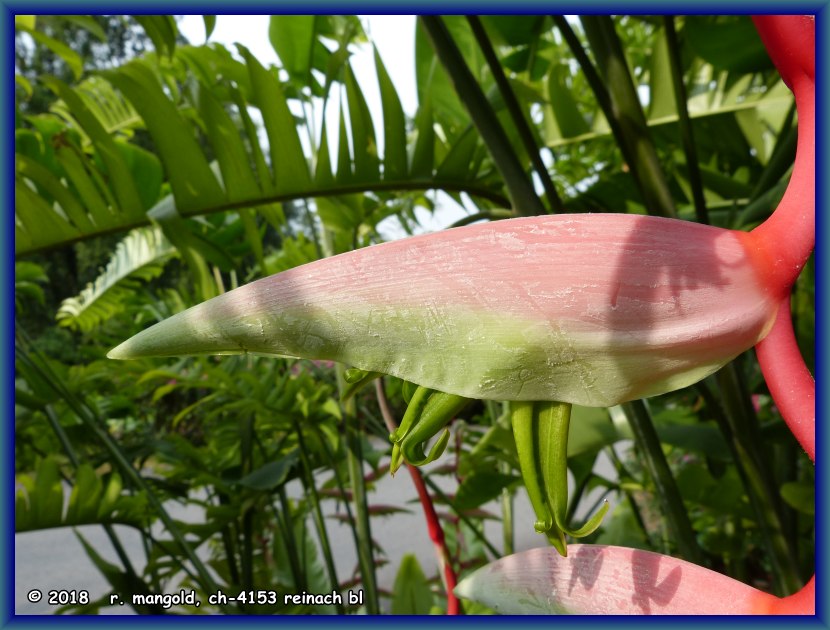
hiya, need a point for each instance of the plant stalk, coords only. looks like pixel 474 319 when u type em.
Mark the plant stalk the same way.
pixel 649 445
pixel 742 433
pixel 686 131
pixel 354 457
pixel 516 113
pixel 286 525
pixel 626 107
pixel 319 521
pixel 436 490
pixel 523 197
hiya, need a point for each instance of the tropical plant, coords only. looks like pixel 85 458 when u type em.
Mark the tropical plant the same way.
pixel 171 138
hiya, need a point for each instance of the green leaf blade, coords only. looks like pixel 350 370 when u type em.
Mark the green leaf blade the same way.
pixel 292 38
pixel 394 125
pixel 190 176
pixel 287 158
pixel 365 150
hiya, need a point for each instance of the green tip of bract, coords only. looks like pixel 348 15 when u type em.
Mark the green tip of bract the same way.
pixel 126 350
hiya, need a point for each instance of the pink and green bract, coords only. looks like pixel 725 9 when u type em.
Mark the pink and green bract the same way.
pixel 587 309
pixel 592 309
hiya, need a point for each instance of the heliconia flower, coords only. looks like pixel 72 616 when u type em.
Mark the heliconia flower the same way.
pixel 592 309
pixel 606 580
pixel 596 579
pixel 586 309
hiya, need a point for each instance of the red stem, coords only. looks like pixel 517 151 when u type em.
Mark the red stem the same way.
pixel 790 383
pixel 788 237
pixel 436 534
pixel 434 528
pixel 789 234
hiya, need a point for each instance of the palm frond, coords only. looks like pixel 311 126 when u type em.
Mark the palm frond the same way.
pixel 112 110
pixel 83 189
pixel 140 257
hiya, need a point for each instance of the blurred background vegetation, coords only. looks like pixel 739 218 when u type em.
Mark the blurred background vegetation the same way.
pixel 152 174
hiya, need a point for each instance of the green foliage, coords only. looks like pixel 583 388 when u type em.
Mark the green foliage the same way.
pixel 412 595
pixel 136 260
pixel 268 449
pixel 94 205
pixel 28 277
pixel 39 501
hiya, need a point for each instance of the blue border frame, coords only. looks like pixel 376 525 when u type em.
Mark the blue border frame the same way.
pixel 7 11
pixel 821 376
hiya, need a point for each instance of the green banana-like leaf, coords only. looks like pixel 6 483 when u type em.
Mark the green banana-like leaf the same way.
pixel 75 181
pixel 139 257
pixel 770 106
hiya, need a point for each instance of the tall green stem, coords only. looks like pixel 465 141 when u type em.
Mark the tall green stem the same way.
pixel 623 473
pixel 507 514
pixel 742 433
pixel 524 199
pixel 689 148
pixel 319 521
pixel 246 430
pixel 625 103
pixel 621 106
pixel 286 526
pixel 650 448
pixel 354 457
pixel 516 113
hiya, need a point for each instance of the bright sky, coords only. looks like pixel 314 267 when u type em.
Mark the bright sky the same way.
pixel 394 36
